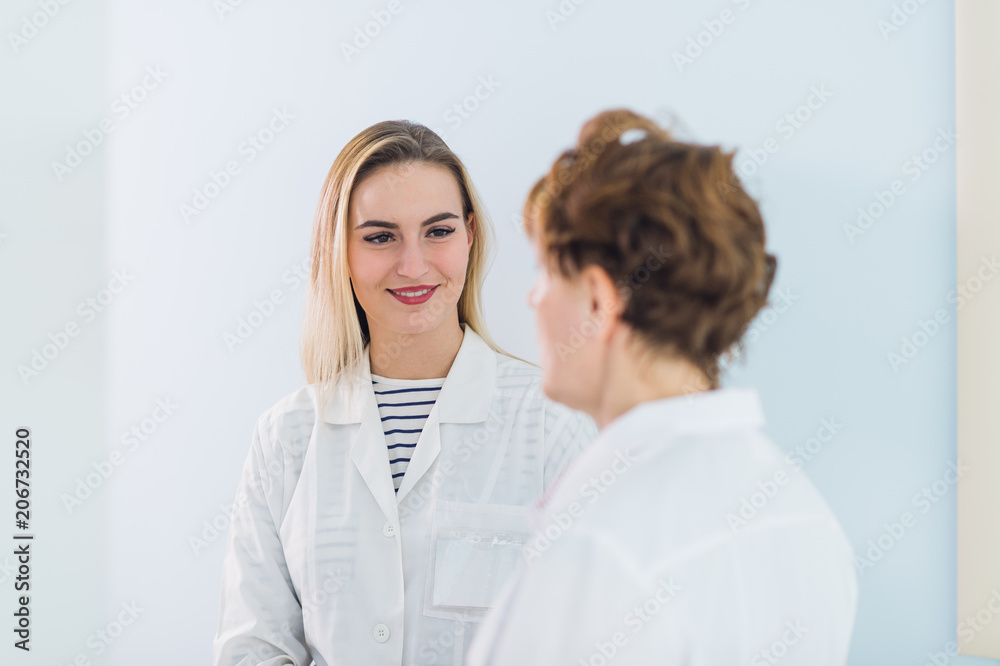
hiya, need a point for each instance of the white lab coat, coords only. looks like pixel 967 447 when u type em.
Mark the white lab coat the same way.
pixel 325 561
pixel 681 536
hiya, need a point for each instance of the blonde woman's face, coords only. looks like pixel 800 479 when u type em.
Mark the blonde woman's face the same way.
pixel 408 247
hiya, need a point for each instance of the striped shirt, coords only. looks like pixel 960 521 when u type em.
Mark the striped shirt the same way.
pixel 404 405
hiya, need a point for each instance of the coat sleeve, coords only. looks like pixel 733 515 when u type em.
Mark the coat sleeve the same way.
pixel 260 617
pixel 567 432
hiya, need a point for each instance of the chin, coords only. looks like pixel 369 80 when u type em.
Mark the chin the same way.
pixel 422 321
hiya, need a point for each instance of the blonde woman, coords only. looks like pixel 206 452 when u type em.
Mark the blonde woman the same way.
pixel 381 507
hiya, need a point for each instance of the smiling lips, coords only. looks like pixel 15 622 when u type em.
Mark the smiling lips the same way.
pixel 414 295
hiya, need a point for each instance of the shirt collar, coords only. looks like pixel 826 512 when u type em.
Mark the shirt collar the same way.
pixel 465 397
pixel 690 414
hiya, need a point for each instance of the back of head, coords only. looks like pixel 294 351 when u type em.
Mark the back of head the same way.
pixel 670 222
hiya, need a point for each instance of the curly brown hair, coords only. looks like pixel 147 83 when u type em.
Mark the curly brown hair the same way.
pixel 618 203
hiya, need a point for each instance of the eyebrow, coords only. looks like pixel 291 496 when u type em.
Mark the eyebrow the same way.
pixel 392 225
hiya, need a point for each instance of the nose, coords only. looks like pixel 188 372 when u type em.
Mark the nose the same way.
pixel 412 262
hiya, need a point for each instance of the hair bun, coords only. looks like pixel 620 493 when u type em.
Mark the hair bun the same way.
pixel 621 125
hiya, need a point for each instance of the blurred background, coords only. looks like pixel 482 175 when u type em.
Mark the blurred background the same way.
pixel 161 164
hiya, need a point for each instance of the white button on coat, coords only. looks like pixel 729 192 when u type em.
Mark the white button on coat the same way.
pixel 307 573
pixel 381 633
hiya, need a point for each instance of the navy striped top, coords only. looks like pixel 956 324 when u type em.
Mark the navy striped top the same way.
pixel 404 405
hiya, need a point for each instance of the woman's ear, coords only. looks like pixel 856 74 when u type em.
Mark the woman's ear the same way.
pixel 603 301
pixel 470 228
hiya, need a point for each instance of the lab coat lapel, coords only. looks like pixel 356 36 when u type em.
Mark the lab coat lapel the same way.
pixel 426 452
pixel 465 397
pixel 354 402
pixel 372 460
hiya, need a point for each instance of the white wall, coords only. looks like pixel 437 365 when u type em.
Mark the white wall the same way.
pixel 824 357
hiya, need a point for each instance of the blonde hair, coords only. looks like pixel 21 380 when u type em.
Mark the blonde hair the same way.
pixel 334 326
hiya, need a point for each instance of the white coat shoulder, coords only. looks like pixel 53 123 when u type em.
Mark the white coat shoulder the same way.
pixel 567 431
pixel 517 377
pixel 293 414
pixel 285 429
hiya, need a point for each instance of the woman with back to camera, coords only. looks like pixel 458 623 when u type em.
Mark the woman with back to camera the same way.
pixel 382 506
pixel 644 552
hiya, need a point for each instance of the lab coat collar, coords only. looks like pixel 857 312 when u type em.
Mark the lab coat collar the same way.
pixel 465 397
pixel 691 414
pixel 656 423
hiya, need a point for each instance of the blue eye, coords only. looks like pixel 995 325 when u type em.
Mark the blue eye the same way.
pixel 441 232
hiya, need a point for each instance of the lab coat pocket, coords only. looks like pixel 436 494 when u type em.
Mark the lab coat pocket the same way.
pixel 474 549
